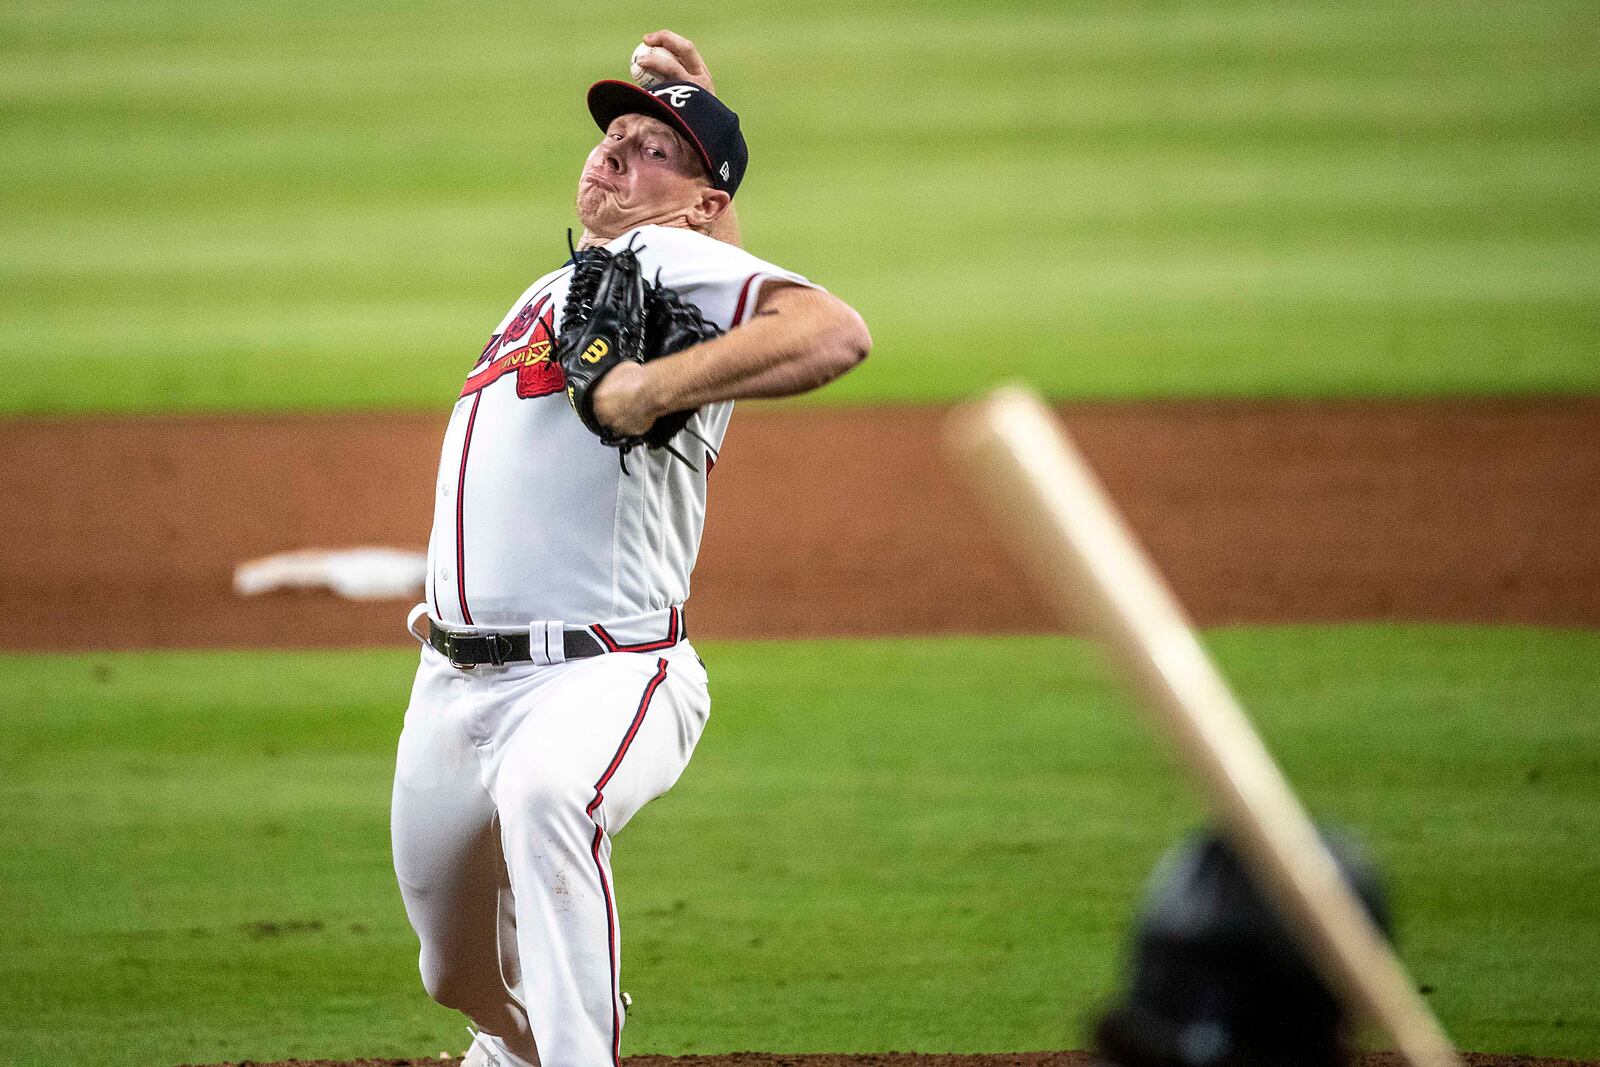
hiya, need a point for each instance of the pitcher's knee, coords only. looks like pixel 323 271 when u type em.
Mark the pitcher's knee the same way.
pixel 453 984
pixel 547 805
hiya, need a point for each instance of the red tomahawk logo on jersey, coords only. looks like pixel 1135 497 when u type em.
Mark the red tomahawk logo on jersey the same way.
pixel 536 374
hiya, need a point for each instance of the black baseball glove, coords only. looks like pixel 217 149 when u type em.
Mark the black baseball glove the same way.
pixel 671 325
pixel 612 315
pixel 602 326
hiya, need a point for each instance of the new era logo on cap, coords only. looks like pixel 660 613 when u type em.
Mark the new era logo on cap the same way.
pixel 709 125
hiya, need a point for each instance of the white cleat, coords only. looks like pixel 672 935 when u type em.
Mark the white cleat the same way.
pixel 478 1053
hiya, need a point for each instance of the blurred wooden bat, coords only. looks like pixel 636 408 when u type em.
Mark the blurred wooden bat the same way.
pixel 1058 519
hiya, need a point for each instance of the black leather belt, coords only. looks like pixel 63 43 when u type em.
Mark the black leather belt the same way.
pixel 468 648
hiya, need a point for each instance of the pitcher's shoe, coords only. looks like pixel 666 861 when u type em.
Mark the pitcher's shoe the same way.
pixel 479 1054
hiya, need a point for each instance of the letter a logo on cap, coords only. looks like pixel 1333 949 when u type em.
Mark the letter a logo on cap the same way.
pixel 723 170
pixel 677 95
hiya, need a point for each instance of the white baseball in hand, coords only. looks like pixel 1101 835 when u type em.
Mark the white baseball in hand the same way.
pixel 644 78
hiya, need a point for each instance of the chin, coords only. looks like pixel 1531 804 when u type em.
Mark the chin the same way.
pixel 588 211
pixel 598 216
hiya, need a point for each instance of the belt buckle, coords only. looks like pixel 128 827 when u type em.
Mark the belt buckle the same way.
pixel 450 640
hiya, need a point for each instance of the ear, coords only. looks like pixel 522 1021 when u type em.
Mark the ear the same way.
pixel 709 208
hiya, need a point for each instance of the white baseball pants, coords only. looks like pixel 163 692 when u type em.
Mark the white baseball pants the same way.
pixel 509 785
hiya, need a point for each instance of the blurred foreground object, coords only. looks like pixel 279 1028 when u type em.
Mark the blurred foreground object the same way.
pixel 353 573
pixel 1055 515
pixel 1216 979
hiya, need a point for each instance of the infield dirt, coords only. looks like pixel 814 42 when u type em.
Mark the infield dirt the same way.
pixel 124 532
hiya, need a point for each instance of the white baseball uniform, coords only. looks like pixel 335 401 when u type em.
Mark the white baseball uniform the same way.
pixel 510 781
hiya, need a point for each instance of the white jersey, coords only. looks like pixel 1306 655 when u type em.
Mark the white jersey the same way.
pixel 534 520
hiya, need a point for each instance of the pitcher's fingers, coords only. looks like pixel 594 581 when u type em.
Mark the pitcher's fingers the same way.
pixel 665 66
pixel 681 47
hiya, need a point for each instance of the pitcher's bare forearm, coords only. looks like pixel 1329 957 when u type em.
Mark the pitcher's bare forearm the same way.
pixel 799 339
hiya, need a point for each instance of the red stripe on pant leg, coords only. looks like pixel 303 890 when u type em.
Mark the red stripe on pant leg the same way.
pixel 599 836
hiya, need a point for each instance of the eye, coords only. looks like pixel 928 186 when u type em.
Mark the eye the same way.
pixel 656 152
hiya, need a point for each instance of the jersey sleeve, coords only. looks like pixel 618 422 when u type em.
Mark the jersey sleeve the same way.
pixel 723 281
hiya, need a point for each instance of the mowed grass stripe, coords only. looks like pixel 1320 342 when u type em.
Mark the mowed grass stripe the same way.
pixel 296 206
pixel 952 832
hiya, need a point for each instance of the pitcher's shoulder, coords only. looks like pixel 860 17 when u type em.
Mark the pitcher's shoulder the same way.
pixel 677 241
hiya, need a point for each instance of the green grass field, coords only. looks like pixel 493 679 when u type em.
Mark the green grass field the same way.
pixel 314 205
pixel 880 845
pixel 238 207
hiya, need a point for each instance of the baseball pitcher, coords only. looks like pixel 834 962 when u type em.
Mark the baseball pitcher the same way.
pixel 558 692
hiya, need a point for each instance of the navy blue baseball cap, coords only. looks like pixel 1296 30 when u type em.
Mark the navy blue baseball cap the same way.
pixel 708 124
